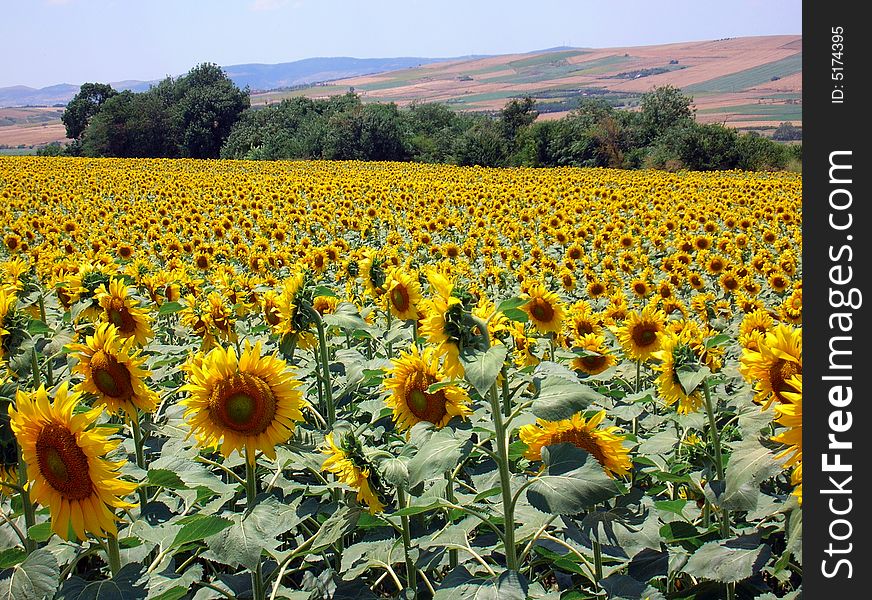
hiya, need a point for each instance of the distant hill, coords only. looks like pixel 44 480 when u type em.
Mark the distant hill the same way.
pixel 747 82
pixel 750 83
pixel 257 77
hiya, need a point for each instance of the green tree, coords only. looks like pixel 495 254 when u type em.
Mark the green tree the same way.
pixel 208 104
pixel 664 108
pixel 84 105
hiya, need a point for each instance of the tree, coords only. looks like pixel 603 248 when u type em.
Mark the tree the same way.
pixel 787 132
pixel 208 104
pixel 515 116
pixel 84 106
pixel 482 144
pixel 664 108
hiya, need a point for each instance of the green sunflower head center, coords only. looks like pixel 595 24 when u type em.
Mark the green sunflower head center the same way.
pixel 244 403
pixel 62 462
pixel 110 376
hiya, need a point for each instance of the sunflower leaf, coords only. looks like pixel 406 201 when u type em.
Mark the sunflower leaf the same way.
pixel 750 464
pixel 690 377
pixel 198 527
pixel 728 561
pixel 168 308
pixel 560 398
pixel 482 368
pixel 438 454
pixel 126 584
pixel 463 585
pixel 574 481
pixel 35 577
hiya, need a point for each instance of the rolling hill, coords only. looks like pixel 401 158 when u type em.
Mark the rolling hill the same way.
pixel 746 83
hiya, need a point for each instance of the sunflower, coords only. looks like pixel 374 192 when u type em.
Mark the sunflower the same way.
pixel 112 369
pixel 442 324
pixel 68 471
pixel 122 311
pixel 372 272
pixel 677 351
pixel 603 444
pixel 640 335
pixel 291 319
pixel 404 294
pixel 412 375
pixel 774 364
pixel 350 468
pixel 753 329
pixel 248 403
pixel 544 308
pixel 596 358
pixel 790 415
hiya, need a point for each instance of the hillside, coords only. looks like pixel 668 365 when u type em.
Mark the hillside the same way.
pixel 746 83
pixel 743 82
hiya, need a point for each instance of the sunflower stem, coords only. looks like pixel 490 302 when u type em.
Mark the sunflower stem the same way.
pixel 597 562
pixel 449 495
pixel 325 369
pixel 638 376
pixel 251 498
pixel 411 573
pixel 505 480
pixel 507 396
pixel 34 367
pixel 113 553
pixel 49 376
pixel 719 467
pixel 29 512
pixel 140 455
pixel 390 344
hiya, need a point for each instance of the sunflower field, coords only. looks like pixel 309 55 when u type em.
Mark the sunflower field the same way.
pixel 306 380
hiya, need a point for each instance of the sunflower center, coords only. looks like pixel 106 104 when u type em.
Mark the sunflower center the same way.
pixel 644 335
pixel 62 462
pixel 541 310
pixel 120 316
pixel 593 362
pixel 583 328
pixel 400 298
pixel 427 407
pixel 244 403
pixel 779 373
pixel 111 377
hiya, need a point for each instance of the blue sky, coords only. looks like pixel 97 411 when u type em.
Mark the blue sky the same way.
pixel 73 41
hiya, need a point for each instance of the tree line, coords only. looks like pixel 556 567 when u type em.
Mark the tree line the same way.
pixel 203 114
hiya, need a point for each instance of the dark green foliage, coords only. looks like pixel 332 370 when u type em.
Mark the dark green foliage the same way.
pixel 191 116
pixel 787 132
pixel 84 106
pixel 204 115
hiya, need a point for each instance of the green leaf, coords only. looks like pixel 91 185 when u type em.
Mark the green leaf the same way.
pixel 728 561
pixel 41 532
pixel 675 507
pixel 460 584
pixel 11 557
pixel 691 376
pixel 511 303
pixel 36 327
pixel 417 509
pixel 717 340
pixel 250 534
pixel 516 314
pixel 166 478
pixel 199 527
pixel 395 471
pixel 678 531
pixel 35 577
pixel 340 523
pixel 125 585
pixel 438 454
pixel 482 368
pixel 347 317
pixel 560 398
pixel 750 464
pixel 168 308
pixel 323 290
pixel 574 482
